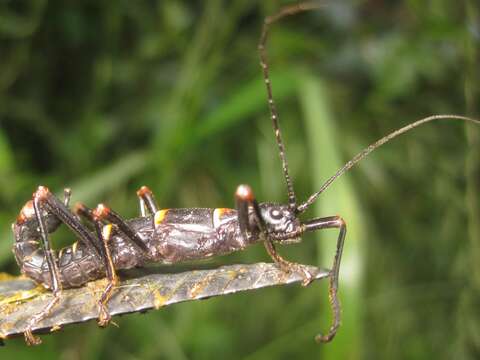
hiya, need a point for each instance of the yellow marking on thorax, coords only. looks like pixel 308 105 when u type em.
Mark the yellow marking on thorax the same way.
pixel 160 216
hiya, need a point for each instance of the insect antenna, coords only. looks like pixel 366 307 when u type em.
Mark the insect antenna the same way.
pixel 362 154
pixel 286 11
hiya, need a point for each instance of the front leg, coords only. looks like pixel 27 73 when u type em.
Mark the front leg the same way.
pixel 245 200
pixel 288 266
pixel 331 222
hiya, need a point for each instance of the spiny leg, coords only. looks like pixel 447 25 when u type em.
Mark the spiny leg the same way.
pixel 147 201
pixel 100 214
pixel 84 212
pixel 61 211
pixel 67 194
pixel 53 269
pixel 329 223
pixel 244 199
pixel 44 199
pixel 104 213
pixel 286 265
pixel 104 234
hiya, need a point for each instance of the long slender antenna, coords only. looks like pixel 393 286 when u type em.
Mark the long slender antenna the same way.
pixel 301 208
pixel 286 11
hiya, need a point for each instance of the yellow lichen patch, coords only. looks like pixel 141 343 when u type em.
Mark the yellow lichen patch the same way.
pixel 160 216
pixel 242 270
pixel 232 274
pixel 55 328
pixel 7 326
pixel 97 285
pixel 5 277
pixel 7 309
pixel 9 304
pixel 21 296
pixel 159 300
pixel 197 289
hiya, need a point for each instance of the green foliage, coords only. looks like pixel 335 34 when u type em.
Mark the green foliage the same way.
pixel 105 97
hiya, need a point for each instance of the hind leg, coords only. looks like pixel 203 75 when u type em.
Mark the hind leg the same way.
pixel 43 200
pixel 53 268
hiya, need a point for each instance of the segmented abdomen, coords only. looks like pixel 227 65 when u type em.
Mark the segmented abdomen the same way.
pixel 77 265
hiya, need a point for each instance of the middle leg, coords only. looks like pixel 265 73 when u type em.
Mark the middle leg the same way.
pixel 104 232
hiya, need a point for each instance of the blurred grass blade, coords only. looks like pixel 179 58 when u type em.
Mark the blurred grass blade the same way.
pixel 468 314
pixel 245 102
pixel 119 172
pixel 324 148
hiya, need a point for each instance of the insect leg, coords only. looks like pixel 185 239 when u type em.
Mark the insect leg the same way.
pixel 245 198
pixel 44 199
pixel 329 223
pixel 60 210
pixel 287 265
pixel 67 193
pixel 147 201
pixel 84 212
pixel 53 268
pixel 103 233
pixel 103 212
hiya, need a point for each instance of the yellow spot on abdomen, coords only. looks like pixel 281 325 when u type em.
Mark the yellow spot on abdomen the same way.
pixel 106 232
pixel 160 216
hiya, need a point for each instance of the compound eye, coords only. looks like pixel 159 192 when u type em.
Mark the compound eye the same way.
pixel 276 214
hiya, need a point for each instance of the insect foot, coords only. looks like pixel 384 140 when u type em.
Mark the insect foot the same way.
pixel 31 339
pixel 305 273
pixel 104 316
pixel 300 269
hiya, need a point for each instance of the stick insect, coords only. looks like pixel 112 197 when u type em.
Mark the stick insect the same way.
pixel 171 236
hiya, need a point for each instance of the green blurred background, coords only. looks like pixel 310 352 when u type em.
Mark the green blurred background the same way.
pixel 104 97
